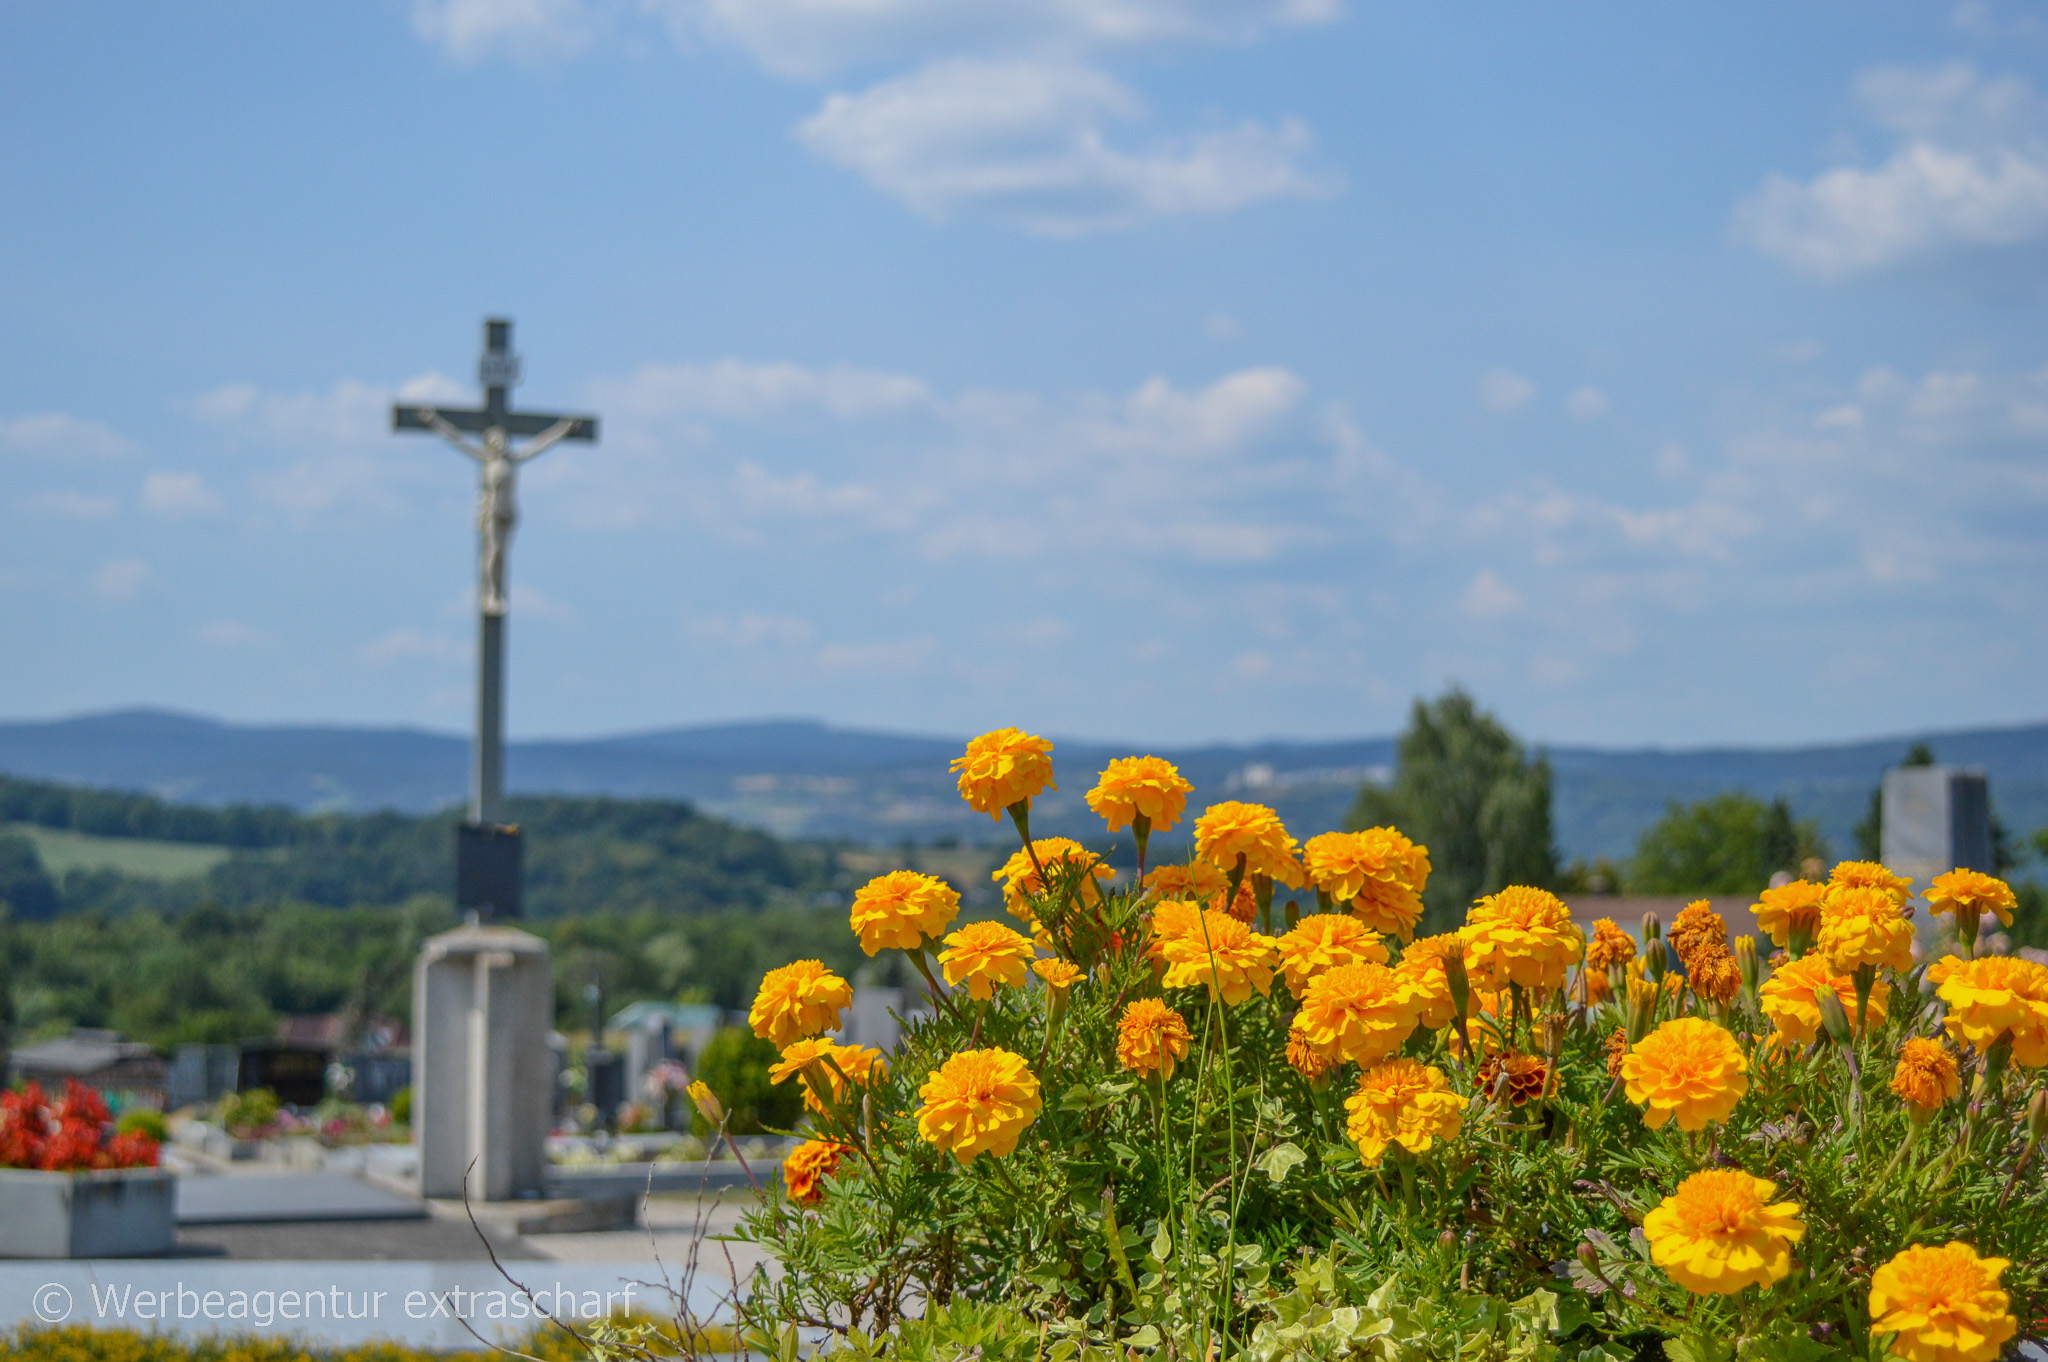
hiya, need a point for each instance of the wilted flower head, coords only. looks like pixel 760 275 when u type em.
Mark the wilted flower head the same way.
pixel 1232 829
pixel 1688 1068
pixel 902 910
pixel 1303 1057
pixel 1322 941
pixel 1002 768
pixel 1610 946
pixel 1521 935
pixel 801 999
pixel 978 1102
pixel 1148 787
pixel 1927 1074
pixel 1720 1231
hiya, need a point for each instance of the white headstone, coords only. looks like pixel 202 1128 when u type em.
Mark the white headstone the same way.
pixel 1936 819
pixel 483 1002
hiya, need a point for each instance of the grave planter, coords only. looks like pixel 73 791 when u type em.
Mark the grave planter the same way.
pixel 116 1213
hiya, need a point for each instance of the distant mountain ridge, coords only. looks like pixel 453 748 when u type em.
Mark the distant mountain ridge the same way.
pixel 809 779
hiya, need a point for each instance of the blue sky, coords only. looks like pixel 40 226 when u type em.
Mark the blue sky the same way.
pixel 1164 370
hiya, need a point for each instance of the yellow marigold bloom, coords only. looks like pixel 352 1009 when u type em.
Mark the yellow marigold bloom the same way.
pixel 863 1064
pixel 1942 1304
pixel 1713 973
pixel 1401 1102
pixel 1523 936
pixel 1990 996
pixel 805 1168
pixel 1610 946
pixel 1696 927
pixel 1253 831
pixel 978 1102
pixel 801 999
pixel 1150 1036
pixel 902 910
pixel 1323 941
pixel 1971 891
pixel 1688 1068
pixel 1059 975
pixel 1865 925
pixel 1172 920
pixel 1871 875
pixel 1720 1231
pixel 1133 786
pixel 1788 997
pixel 1358 1012
pixel 1003 767
pixel 1527 1076
pixel 1228 956
pixel 983 955
pixel 1020 881
pixel 1789 908
pixel 1379 873
pixel 1421 968
pixel 1311 1063
pixel 1197 883
pixel 1927 1074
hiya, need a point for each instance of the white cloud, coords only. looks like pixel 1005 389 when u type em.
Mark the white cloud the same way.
pixel 1162 419
pixel 526 30
pixel 59 435
pixel 1970 170
pixel 404 645
pixel 732 388
pixel 121 579
pixel 71 505
pixel 1489 596
pixel 753 632
pixel 178 496
pixel 1504 390
pixel 1026 142
pixel 1586 404
pixel 894 657
pixel 229 634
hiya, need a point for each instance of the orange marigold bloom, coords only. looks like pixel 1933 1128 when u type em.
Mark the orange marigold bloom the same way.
pixel 1059 975
pixel 801 999
pixel 1927 1074
pixel 1942 1304
pixel 983 955
pixel 1865 925
pixel 1401 1102
pixel 1789 908
pixel 1218 950
pixel 1130 787
pixel 1358 1012
pixel 902 910
pixel 1421 968
pixel 1971 891
pixel 1198 882
pixel 1871 875
pixel 1231 829
pixel 1714 973
pixel 978 1102
pixel 1003 767
pixel 1688 1068
pixel 1720 1231
pixel 1311 1063
pixel 1610 946
pixel 863 1064
pixel 1993 995
pixel 1617 1049
pixel 1020 881
pixel 1696 927
pixel 1523 936
pixel 1323 941
pixel 1172 920
pixel 1788 997
pixel 805 1168
pixel 1379 873
pixel 1150 1037
pixel 1526 1075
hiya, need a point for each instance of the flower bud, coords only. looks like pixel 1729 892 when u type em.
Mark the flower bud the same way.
pixel 1656 959
pixel 2037 1116
pixel 1293 915
pixel 1642 1010
pixel 1832 1017
pixel 1460 982
pixel 1652 928
pixel 1589 1257
pixel 1553 1027
pixel 1746 961
pixel 1447 1238
pixel 707 1103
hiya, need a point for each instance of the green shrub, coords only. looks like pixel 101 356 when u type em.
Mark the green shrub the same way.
pixel 150 1122
pixel 401 1105
pixel 736 1065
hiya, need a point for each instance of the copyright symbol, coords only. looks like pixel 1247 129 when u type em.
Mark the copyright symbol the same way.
pixel 52 1303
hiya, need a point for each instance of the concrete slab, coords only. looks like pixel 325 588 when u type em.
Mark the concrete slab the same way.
pixel 254 1199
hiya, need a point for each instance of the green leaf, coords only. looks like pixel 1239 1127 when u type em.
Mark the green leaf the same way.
pixel 1280 1160
pixel 1698 1348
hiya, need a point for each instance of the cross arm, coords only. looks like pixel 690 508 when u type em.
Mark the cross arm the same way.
pixel 413 416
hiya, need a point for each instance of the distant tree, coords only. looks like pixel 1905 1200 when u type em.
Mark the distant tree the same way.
pixel 24 884
pixel 1465 788
pixel 1730 844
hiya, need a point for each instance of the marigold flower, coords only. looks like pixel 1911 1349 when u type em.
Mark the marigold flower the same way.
pixel 983 955
pixel 902 910
pixel 1059 975
pixel 1713 973
pixel 1231 829
pixel 1871 875
pixel 1131 787
pixel 1379 873
pixel 1688 1068
pixel 978 1102
pixel 1927 1074
pixel 1401 1102
pixel 1720 1231
pixel 1791 908
pixel 1019 876
pixel 1311 1063
pixel 1218 950
pixel 1864 925
pixel 1323 941
pixel 1523 936
pixel 1788 997
pixel 1526 1075
pixel 1002 768
pixel 1197 882
pixel 1150 1036
pixel 1617 1049
pixel 1992 995
pixel 1421 968
pixel 1358 1012
pixel 862 1064
pixel 805 1168
pixel 1610 946
pixel 801 999
pixel 1171 920
pixel 1972 892
pixel 1696 927
pixel 1942 1304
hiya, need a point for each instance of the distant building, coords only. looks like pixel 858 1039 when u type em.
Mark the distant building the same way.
pixel 126 1071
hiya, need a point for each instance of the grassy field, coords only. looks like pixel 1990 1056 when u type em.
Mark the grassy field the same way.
pixel 63 851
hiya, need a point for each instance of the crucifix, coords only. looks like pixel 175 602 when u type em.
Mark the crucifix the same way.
pixel 487 854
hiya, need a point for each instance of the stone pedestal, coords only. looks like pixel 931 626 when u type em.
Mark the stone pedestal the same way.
pixel 483 1002
pixel 1936 819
